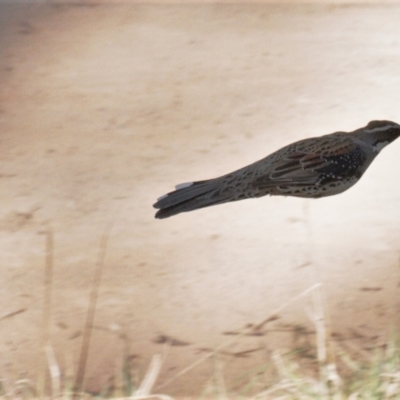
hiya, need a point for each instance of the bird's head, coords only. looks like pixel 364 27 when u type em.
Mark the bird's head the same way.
pixel 380 133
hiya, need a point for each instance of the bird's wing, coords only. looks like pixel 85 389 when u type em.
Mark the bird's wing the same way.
pixel 303 166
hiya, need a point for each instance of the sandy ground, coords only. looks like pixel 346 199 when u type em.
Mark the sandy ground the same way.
pixel 104 108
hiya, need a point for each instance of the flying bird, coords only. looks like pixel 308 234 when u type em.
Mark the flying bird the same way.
pixel 312 168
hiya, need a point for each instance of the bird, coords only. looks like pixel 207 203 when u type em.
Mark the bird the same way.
pixel 310 168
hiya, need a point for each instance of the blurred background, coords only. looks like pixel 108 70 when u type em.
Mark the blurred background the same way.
pixel 105 107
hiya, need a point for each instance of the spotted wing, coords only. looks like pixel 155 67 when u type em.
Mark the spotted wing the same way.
pixel 306 166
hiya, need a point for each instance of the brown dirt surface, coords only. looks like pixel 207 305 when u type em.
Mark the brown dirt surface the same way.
pixel 103 108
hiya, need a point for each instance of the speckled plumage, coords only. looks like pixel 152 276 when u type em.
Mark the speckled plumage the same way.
pixel 313 168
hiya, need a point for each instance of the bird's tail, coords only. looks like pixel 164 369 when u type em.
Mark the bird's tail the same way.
pixel 190 196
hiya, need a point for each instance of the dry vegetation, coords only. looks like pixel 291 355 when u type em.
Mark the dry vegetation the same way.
pixel 322 370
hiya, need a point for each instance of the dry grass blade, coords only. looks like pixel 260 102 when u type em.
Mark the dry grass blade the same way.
pixel 87 332
pixel 220 381
pixel 45 328
pixel 330 381
pixel 150 378
pixel 54 371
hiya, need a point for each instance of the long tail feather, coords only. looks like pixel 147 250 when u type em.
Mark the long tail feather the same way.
pixel 188 196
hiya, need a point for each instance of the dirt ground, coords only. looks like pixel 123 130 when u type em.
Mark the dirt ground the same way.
pixel 104 108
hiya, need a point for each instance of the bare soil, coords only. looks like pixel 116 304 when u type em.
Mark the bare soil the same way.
pixel 104 108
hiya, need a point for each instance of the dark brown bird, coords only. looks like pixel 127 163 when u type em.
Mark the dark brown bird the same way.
pixel 313 168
